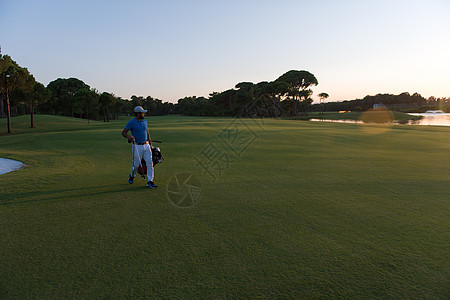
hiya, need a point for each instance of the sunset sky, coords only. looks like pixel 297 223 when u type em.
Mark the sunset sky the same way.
pixel 172 49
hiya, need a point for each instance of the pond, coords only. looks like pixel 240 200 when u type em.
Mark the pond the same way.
pixel 337 121
pixel 9 165
pixel 440 119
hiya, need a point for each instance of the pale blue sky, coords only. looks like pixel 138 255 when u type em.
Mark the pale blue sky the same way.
pixel 171 49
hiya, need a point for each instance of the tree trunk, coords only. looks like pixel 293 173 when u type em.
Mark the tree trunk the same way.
pixel 8 107
pixel 275 112
pixel 87 113
pixel 8 112
pixel 2 107
pixel 279 106
pixel 294 106
pixel 104 114
pixel 32 114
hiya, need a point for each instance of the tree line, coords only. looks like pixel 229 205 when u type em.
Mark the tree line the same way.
pixel 403 102
pixel 21 94
pixel 288 95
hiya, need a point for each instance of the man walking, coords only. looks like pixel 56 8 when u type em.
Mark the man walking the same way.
pixel 142 145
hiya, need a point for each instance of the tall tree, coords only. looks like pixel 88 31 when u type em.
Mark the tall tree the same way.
pixel 13 77
pixel 299 82
pixel 245 97
pixel 223 100
pixel 89 99
pixel 263 99
pixel 151 105
pixel 275 90
pixel 322 97
pixel 137 101
pixel 39 94
pixel 118 107
pixel 305 100
pixel 106 101
pixel 64 90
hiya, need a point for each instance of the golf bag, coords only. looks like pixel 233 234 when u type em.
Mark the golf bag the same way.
pixel 156 159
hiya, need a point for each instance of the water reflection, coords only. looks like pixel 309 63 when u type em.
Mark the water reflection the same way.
pixel 440 119
pixel 338 121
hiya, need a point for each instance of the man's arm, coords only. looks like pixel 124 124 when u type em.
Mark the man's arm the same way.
pixel 125 135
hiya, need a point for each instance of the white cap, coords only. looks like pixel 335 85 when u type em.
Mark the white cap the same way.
pixel 139 109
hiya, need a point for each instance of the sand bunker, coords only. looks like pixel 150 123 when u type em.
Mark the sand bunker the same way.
pixel 9 165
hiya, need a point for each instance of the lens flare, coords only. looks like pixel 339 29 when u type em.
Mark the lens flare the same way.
pixel 376 121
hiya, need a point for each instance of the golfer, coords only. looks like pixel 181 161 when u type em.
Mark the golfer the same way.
pixel 142 145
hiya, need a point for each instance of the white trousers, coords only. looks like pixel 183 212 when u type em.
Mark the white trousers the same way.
pixel 142 152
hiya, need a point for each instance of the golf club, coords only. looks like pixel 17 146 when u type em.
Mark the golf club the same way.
pixel 160 142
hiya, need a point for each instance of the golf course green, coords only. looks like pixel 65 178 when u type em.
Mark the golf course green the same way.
pixel 303 210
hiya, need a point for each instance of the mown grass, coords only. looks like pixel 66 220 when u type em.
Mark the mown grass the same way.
pixel 309 210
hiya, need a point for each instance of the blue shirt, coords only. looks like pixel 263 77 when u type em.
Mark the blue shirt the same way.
pixel 138 129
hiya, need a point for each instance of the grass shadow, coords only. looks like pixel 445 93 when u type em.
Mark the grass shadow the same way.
pixel 75 194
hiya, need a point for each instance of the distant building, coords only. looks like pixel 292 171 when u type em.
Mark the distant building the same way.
pixel 379 105
pixel 434 111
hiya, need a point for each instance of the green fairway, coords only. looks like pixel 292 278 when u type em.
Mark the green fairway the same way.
pixel 307 210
